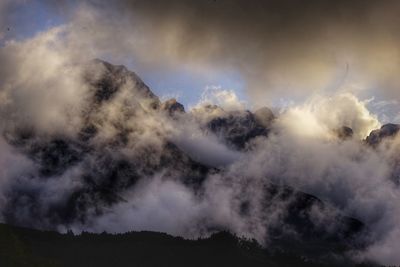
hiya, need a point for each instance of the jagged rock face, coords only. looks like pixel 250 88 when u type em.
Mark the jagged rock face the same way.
pixel 386 131
pixel 113 78
pixel 237 128
pixel 234 128
pixel 173 107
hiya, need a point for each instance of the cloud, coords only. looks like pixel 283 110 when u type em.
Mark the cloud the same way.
pixel 204 147
pixel 321 115
pixel 226 99
pixel 347 174
pixel 155 205
pixel 12 164
pixel 41 85
pixel 284 49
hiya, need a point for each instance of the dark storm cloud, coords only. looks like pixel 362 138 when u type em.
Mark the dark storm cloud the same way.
pixel 282 48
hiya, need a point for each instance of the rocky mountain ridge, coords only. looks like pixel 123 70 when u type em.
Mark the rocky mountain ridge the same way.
pixel 125 139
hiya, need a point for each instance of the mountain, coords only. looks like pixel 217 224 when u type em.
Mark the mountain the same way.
pixel 106 171
pixel 125 139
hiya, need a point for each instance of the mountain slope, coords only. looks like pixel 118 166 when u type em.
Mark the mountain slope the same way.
pixel 128 137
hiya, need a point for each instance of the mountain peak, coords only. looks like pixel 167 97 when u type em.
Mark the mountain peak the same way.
pixel 107 79
pixel 386 131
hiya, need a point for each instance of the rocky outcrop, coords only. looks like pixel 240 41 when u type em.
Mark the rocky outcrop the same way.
pixel 237 128
pixel 173 107
pixel 344 133
pixel 386 131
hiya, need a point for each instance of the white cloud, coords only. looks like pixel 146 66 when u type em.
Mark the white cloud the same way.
pixel 226 99
pixel 321 115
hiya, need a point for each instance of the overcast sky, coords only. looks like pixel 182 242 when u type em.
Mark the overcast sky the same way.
pixel 271 53
pixel 329 63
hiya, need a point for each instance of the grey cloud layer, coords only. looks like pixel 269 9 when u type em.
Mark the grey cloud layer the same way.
pixel 281 48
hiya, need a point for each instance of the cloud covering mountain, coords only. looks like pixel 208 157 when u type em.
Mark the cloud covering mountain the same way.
pixel 86 145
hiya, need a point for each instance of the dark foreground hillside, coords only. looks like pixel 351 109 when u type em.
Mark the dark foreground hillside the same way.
pixel 26 247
